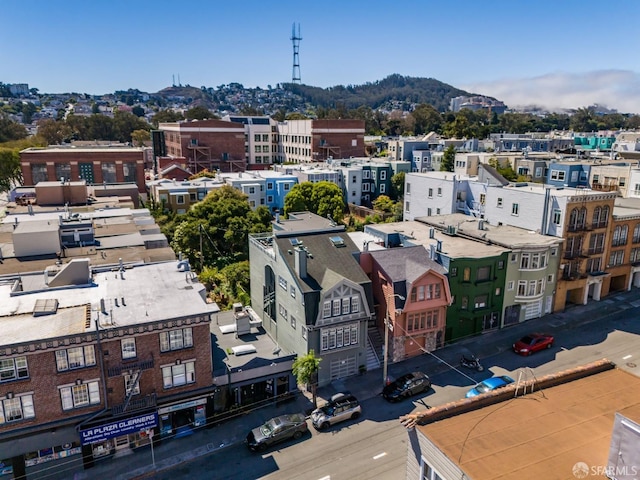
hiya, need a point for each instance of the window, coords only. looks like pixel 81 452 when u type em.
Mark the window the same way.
pixel 622 181
pixel 179 374
pixel 500 264
pixel 453 272
pixel 480 301
pixel 429 212
pixel 550 278
pixel 483 198
pixel 510 285
pixel 483 274
pixel 556 217
pixel 303 332
pixel 408 188
pixel 346 305
pixel 129 385
pixel 128 346
pixel 421 320
pixel 558 175
pixel 466 274
pixel 430 193
pixel 180 199
pixel 464 303
pixel 383 188
pixel 554 251
pixel 616 258
pixel 293 291
pixel 326 310
pixel 256 137
pixel 499 203
pixel 355 304
pixel 407 207
pixel 383 175
pixel 13 369
pixel 293 322
pixel 514 209
pixel 620 235
pixel 338 337
pixel 77 357
pixel 16 408
pixel 269 198
pixel 336 308
pixel 282 282
pixel 176 339
pixel 522 288
pixel 81 395
pixel 286 187
pixel 283 311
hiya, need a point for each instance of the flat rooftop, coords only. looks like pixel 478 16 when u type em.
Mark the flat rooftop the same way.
pixel 304 222
pixel 418 233
pixel 141 294
pixel 504 235
pixel 542 434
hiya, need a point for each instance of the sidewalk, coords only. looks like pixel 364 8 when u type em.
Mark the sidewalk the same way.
pixel 232 432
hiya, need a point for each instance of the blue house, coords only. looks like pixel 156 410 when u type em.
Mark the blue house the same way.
pixel 568 174
pixel 277 187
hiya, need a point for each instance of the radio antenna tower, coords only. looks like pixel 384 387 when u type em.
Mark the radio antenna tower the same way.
pixel 295 39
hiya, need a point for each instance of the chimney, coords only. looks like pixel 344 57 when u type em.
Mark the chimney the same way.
pixel 301 262
pixel 480 224
pixel 439 245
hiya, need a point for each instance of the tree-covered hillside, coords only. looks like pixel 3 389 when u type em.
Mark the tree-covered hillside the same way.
pixel 375 95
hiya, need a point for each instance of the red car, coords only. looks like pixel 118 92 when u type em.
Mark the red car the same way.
pixel 533 343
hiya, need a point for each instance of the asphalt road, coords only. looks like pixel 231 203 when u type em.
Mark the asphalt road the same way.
pixel 375 445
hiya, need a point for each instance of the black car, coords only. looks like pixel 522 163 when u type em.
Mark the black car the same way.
pixel 276 430
pixel 406 385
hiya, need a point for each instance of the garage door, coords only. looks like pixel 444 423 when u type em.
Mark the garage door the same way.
pixel 533 310
pixel 343 368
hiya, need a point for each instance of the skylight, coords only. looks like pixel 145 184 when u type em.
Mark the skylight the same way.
pixel 337 241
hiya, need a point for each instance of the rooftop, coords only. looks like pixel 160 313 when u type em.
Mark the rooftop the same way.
pixel 546 431
pixel 136 295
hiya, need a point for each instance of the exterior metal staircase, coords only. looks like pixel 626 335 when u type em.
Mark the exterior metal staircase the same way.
pixel 375 346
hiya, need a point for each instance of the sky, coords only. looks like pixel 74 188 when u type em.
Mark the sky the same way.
pixel 555 54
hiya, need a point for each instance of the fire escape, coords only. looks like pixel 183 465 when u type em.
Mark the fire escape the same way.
pixel 327 150
pixel 134 370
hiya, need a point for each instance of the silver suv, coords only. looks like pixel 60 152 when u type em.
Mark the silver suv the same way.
pixel 342 406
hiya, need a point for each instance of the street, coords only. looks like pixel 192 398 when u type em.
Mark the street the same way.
pixel 375 445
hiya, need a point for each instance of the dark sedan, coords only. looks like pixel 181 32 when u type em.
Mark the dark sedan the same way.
pixel 277 430
pixel 406 385
pixel 533 342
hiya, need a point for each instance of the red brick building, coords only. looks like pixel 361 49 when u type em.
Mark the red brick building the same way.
pixel 207 144
pixel 96 165
pixel 94 370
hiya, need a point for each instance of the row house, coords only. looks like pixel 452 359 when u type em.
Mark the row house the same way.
pixel 95 361
pixel 97 165
pixel 412 294
pixel 614 176
pixel 180 196
pixel 261 140
pixel 476 273
pixel 307 286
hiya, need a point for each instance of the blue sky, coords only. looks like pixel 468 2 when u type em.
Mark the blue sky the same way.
pixel 563 53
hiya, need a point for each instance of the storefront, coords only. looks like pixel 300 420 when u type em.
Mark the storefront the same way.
pixel 108 438
pixel 179 419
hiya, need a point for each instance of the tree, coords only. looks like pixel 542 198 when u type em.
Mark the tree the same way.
pixel 322 198
pixel 139 137
pixel 427 119
pixel 166 116
pixel 383 204
pixel 54 132
pixel 305 369
pixel 448 159
pixel 10 173
pixel 504 169
pixel 397 185
pixel 10 130
pixel 138 111
pixel 221 224
pixel 198 113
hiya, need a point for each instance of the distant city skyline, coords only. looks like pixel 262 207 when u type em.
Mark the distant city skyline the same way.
pixel 567 54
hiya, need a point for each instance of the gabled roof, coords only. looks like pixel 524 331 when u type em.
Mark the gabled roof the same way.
pixel 406 264
pixel 327 264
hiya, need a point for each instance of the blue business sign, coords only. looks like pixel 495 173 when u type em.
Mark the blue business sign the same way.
pixel 119 428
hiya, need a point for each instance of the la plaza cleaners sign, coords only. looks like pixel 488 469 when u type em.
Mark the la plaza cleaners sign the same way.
pixel 119 428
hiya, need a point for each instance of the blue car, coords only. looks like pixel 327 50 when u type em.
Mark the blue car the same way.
pixel 489 384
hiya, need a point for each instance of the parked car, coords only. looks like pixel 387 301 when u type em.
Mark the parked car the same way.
pixel 277 430
pixel 533 342
pixel 406 385
pixel 342 406
pixel 489 384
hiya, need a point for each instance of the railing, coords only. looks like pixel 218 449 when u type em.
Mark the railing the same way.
pixel 571 254
pixel 577 228
pixel 118 369
pixel 148 401
pixel 595 250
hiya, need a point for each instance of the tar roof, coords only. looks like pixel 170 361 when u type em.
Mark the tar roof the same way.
pixel 532 435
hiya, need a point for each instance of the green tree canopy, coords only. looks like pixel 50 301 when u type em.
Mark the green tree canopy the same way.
pixel 448 159
pixel 54 132
pixel 224 220
pixel 305 369
pixel 397 185
pixel 10 130
pixel 198 113
pixel 10 173
pixel 322 198
pixel 166 116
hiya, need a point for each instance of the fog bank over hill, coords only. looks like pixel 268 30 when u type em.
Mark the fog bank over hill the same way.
pixel 615 89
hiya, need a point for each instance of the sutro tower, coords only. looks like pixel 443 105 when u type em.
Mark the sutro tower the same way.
pixel 295 39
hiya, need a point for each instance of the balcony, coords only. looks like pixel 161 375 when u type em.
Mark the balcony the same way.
pixel 140 365
pixel 597 225
pixel 135 404
pixel 594 251
pixel 569 254
pixel 580 227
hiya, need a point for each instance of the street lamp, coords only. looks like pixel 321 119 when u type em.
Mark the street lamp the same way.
pixel 387 326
